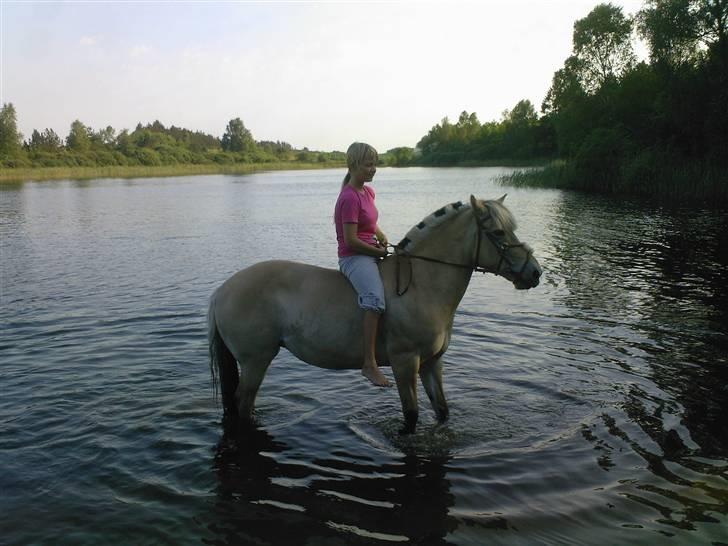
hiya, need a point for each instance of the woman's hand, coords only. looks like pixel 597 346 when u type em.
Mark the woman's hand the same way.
pixel 381 238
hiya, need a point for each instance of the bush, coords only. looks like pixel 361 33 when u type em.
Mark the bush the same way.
pixel 221 158
pixel 16 162
pixel 598 159
pixel 147 157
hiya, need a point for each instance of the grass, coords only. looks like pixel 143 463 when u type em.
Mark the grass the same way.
pixel 13 176
pixel 686 183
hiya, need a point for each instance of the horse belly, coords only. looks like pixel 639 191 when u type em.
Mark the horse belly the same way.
pixel 325 333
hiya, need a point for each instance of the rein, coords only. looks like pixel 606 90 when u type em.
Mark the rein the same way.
pixel 500 247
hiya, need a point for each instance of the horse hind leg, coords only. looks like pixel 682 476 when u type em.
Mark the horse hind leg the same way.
pixel 431 377
pixel 252 372
pixel 224 368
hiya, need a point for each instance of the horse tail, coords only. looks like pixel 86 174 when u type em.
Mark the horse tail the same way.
pixel 223 366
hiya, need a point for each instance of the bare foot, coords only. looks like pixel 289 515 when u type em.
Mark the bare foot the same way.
pixel 375 375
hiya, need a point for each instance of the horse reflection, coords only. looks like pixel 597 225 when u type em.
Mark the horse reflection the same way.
pixel 266 496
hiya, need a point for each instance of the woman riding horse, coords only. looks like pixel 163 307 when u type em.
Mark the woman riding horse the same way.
pixel 311 311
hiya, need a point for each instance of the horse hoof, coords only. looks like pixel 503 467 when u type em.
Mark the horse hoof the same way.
pixel 410 422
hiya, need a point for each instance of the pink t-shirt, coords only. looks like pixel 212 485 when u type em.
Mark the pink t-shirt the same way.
pixel 353 207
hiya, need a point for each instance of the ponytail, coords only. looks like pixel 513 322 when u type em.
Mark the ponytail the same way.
pixel 346 180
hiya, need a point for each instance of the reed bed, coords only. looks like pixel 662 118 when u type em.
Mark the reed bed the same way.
pixel 688 183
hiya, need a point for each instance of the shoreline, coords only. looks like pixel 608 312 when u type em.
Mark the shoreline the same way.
pixel 40 174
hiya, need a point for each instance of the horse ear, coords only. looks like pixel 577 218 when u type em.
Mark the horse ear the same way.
pixel 477 205
pixel 502 198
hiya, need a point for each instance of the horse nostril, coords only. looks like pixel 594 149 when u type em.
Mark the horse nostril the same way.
pixel 536 275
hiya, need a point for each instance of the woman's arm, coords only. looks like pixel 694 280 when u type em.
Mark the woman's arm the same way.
pixel 381 237
pixel 359 246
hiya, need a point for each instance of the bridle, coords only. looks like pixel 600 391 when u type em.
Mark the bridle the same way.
pixel 500 246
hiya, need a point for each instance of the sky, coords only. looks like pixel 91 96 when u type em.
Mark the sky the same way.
pixel 314 74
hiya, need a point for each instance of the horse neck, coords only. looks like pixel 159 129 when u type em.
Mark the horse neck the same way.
pixel 453 242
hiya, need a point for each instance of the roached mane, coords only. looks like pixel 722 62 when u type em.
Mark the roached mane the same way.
pixel 435 219
pixel 502 219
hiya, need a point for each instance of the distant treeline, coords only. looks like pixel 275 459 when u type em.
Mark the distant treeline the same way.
pixel 610 123
pixel 150 145
pixel 615 124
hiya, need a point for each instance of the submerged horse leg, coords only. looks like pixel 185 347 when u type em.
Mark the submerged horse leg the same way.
pixel 252 372
pixel 431 377
pixel 405 369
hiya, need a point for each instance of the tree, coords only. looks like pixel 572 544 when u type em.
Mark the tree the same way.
pixel 47 141
pixel 106 137
pixel 602 46
pixel 10 138
pixel 78 138
pixel 677 30
pixel 399 157
pixel 519 130
pixel 237 138
pixel 523 114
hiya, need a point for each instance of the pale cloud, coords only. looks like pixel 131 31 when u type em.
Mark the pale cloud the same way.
pixel 89 41
pixel 139 51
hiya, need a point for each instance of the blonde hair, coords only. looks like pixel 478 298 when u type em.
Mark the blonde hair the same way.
pixel 358 153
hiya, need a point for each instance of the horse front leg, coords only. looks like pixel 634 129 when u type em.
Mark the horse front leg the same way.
pixel 431 377
pixel 405 368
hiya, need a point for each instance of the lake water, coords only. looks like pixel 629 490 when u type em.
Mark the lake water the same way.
pixel 589 410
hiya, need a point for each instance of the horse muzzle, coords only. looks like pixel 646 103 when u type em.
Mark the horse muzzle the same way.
pixel 528 276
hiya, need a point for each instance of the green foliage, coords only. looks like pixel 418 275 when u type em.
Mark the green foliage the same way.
pixel 237 138
pixel 10 138
pixel 602 46
pixel 78 139
pixel 151 145
pixel 644 128
pixel 399 157
pixel 683 31
pixel 520 135
pixel 47 141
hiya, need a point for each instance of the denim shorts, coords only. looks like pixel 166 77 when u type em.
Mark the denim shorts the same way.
pixel 363 273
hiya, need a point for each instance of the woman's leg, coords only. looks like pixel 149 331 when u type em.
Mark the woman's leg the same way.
pixel 363 273
pixel 370 370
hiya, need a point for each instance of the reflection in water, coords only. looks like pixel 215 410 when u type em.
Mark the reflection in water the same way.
pixel 268 496
pixel 659 278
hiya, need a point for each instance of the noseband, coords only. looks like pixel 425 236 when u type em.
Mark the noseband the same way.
pixel 501 248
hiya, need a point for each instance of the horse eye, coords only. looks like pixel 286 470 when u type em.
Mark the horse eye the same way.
pixel 499 233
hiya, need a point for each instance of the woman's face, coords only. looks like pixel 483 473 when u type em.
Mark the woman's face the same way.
pixel 365 171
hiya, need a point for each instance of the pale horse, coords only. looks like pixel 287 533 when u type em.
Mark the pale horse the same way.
pixel 312 311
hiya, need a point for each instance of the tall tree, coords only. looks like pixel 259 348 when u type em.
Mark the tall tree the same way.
pixel 603 46
pixel 565 87
pixel 678 30
pixel 47 141
pixel 78 138
pixel 106 137
pixel 10 138
pixel 237 138
pixel 523 114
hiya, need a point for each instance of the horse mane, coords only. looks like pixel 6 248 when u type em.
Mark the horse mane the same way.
pixel 418 232
pixel 501 216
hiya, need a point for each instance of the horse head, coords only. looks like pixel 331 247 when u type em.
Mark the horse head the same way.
pixel 498 250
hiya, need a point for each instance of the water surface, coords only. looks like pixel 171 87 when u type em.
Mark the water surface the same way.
pixel 588 410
